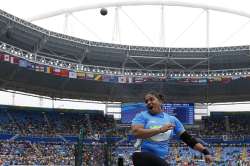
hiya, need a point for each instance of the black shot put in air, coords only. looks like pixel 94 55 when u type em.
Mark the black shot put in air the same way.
pixel 104 11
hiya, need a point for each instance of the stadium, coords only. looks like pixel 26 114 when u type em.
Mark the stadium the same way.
pixel 69 99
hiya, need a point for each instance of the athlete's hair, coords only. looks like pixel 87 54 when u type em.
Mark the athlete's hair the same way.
pixel 158 95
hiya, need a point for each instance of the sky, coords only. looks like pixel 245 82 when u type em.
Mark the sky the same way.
pixel 138 25
pixel 141 25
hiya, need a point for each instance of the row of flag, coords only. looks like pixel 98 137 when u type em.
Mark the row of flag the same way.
pixel 108 78
pixel 64 72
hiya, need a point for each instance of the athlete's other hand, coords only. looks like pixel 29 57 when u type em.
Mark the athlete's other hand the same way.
pixel 166 127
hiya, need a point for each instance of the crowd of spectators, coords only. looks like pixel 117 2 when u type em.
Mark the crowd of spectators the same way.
pixel 52 124
pixel 229 127
pixel 26 153
pixel 97 125
pixel 182 155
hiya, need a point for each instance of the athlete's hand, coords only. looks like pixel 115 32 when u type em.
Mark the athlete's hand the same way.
pixel 166 127
pixel 208 158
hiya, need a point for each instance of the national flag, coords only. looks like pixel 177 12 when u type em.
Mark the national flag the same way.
pixel 23 63
pixel 48 69
pixel 72 74
pixel 248 77
pixel 56 71
pixel 80 75
pixel 191 80
pixel 1 57
pixel 39 68
pixel 139 79
pixel 210 80
pixel 89 76
pixel 226 80
pixel 14 60
pixel 6 58
pixel 42 67
pixel 113 78
pixel 202 81
pixel 105 78
pixel 162 78
pixel 217 79
pixel 130 79
pixel 64 73
pixel 235 77
pixel 30 66
pixel 98 77
pixel 148 78
pixel 122 79
pixel 110 78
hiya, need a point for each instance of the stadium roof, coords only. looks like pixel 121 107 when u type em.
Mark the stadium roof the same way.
pixel 141 25
pixel 203 56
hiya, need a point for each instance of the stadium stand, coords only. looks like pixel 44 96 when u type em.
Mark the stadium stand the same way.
pixel 34 136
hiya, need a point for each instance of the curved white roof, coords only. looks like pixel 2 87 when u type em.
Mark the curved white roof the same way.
pixel 179 24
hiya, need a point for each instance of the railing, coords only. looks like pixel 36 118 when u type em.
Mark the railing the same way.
pixel 135 72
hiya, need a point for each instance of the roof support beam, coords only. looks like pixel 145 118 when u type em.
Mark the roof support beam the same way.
pixel 4 30
pixel 136 62
pixel 124 63
pixel 178 64
pixel 39 45
pixel 83 55
pixel 197 64
pixel 156 63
